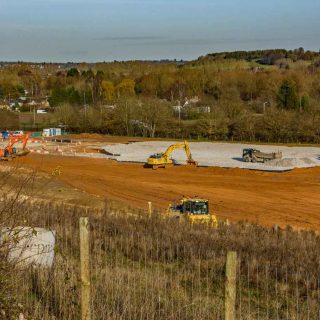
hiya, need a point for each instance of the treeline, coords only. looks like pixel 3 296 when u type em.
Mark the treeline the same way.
pixel 234 98
pixel 154 118
pixel 266 56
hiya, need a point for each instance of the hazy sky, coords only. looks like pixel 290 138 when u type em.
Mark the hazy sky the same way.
pixel 104 30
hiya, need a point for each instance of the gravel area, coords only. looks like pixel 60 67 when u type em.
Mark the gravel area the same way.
pixel 227 155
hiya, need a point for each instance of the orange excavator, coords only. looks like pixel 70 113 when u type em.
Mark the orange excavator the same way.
pixel 9 152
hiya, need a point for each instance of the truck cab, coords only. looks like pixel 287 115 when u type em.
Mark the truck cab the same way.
pixel 247 154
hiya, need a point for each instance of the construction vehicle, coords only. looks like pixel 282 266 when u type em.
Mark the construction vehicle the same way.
pixel 9 152
pixel 193 210
pixel 163 160
pixel 254 155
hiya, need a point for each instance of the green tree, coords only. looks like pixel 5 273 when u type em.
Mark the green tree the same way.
pixel 213 125
pixel 211 88
pixel 61 95
pixel 305 101
pixel 288 96
pixel 73 96
pixel 73 72
pixel 20 88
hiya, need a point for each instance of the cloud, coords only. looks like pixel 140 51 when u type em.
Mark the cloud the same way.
pixel 203 42
pixel 130 38
pixel 157 40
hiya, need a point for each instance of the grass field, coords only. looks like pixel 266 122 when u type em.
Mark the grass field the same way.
pixel 152 268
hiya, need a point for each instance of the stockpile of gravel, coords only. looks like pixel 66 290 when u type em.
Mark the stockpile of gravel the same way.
pixel 293 162
pixel 228 155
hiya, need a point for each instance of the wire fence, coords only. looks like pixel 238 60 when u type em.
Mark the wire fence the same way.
pixel 150 267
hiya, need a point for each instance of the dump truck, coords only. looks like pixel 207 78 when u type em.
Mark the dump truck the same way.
pixel 193 210
pixel 254 155
pixel 163 160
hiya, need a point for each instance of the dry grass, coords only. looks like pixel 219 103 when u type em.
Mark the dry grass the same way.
pixel 154 268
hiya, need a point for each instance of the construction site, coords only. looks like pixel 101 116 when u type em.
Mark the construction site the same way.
pixel 160 217
pixel 281 190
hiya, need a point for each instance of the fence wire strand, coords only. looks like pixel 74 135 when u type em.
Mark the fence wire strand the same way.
pixel 142 269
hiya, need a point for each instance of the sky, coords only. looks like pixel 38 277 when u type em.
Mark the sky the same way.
pixel 107 30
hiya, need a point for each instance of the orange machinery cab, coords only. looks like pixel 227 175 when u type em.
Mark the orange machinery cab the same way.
pixel 9 152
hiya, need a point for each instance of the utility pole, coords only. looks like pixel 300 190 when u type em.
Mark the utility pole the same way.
pixel 85 110
pixel 34 115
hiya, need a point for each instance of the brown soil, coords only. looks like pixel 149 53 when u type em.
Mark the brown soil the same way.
pixel 291 198
pixel 95 137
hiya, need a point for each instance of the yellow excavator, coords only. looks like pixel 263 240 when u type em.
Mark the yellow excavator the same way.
pixel 193 210
pixel 163 160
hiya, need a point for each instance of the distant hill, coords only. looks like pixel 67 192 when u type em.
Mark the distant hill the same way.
pixel 268 57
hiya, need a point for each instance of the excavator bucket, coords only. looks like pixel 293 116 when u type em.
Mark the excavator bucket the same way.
pixel 22 153
pixel 192 163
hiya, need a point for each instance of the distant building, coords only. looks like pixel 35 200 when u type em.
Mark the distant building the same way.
pixel 41 111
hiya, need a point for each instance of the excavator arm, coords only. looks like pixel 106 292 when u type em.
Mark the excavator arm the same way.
pixel 163 159
pixel 9 150
pixel 25 141
pixel 20 138
pixel 173 147
pixel 189 155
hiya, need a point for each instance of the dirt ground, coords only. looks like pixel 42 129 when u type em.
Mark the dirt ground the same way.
pixel 268 198
pixel 95 137
pixel 40 186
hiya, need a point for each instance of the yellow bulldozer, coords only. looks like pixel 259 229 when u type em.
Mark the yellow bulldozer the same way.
pixel 193 210
pixel 163 160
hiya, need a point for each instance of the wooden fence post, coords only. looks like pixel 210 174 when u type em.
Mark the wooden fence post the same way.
pixel 85 269
pixel 150 208
pixel 230 287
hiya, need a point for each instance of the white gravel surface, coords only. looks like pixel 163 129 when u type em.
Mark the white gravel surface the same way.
pixel 218 154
